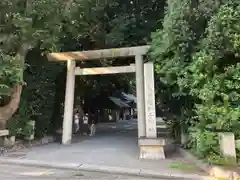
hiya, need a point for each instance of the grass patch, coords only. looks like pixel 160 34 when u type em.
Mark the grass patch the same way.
pixel 181 166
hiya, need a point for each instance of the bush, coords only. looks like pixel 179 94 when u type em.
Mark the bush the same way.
pixel 38 96
pixel 197 58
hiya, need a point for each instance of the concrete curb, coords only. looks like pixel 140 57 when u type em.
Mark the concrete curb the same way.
pixel 216 172
pixel 38 142
pixel 102 168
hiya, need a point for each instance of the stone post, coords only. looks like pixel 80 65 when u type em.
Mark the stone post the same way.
pixel 69 101
pixel 150 109
pixel 227 145
pixel 151 147
pixel 140 95
pixel 183 136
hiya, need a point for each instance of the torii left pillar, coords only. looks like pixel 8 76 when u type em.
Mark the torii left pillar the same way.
pixel 69 102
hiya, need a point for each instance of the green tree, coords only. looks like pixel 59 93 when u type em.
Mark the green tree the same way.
pixel 197 62
pixel 54 25
pixel 214 78
pixel 24 25
pixel 172 48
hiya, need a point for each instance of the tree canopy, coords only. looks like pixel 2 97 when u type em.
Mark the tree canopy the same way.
pixel 29 29
pixel 194 43
pixel 197 60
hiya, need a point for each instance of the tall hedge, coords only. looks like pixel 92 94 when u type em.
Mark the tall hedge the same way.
pixel 197 58
pixel 38 96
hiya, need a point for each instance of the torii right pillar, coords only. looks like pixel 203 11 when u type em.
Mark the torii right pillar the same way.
pixel 151 147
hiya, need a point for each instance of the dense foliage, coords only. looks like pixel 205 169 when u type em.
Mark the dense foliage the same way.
pixel 196 52
pixel 23 25
pixel 31 28
pixel 197 57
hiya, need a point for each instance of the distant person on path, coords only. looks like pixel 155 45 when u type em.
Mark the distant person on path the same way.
pixel 92 128
pixel 121 115
pixel 85 128
pixel 92 123
pixel 76 120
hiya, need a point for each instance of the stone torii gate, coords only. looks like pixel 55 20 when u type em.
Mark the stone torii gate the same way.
pixel 150 147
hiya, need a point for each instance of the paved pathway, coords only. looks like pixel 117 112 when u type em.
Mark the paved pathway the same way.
pixel 15 172
pixel 113 145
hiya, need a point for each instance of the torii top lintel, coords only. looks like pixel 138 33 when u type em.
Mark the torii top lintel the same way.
pixel 98 54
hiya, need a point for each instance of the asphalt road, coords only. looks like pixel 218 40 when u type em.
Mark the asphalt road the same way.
pixel 15 172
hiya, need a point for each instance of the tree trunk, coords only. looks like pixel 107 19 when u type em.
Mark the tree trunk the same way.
pixel 7 111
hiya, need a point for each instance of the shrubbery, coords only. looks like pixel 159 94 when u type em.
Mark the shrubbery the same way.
pixel 197 58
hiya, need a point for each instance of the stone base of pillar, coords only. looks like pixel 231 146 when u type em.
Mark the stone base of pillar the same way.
pixel 155 148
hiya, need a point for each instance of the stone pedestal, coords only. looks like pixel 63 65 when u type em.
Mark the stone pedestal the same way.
pixel 154 148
